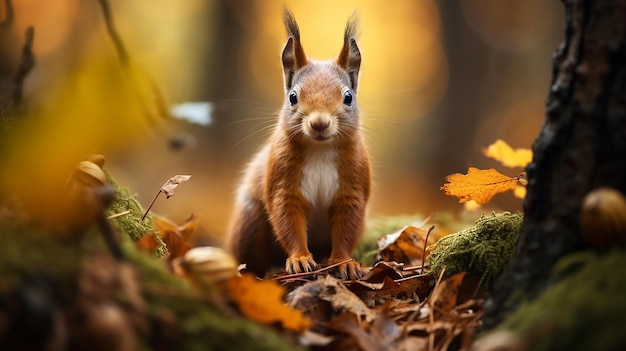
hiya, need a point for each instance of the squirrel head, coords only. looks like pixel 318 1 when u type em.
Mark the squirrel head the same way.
pixel 320 96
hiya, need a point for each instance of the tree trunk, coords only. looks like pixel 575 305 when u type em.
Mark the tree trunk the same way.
pixel 582 146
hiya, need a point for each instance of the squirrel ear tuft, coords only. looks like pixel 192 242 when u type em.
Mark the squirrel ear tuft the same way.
pixel 350 56
pixel 293 54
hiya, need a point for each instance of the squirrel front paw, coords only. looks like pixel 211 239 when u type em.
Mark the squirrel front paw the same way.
pixel 348 270
pixel 300 264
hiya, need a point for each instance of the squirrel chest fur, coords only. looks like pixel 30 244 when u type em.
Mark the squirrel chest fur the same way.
pixel 304 195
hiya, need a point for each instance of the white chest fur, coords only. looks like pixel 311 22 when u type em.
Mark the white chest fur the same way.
pixel 320 179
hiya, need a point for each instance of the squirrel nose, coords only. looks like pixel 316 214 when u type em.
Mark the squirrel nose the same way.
pixel 319 124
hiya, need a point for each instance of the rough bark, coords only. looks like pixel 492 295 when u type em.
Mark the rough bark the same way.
pixel 582 146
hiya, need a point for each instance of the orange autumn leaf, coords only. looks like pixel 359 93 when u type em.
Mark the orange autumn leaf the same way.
pixel 262 301
pixel 479 185
pixel 176 237
pixel 501 151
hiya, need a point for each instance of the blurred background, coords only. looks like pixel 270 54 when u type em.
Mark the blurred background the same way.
pixel 440 80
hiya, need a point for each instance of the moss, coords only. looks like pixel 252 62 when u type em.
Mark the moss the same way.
pixel 28 252
pixel 132 223
pixel 483 250
pixel 583 311
pixel 203 327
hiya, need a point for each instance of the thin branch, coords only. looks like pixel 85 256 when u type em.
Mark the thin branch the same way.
pixel 424 252
pixel 122 53
pixel 119 214
pixel 27 62
pixel 305 274
pixel 151 203
pixel 8 20
pixel 157 96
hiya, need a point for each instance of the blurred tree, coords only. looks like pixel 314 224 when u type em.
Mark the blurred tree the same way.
pixel 581 147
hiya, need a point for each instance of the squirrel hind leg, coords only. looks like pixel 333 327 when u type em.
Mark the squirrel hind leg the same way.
pixel 251 240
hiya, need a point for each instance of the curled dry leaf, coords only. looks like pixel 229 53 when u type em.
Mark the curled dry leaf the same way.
pixel 404 246
pixel 326 291
pixel 172 183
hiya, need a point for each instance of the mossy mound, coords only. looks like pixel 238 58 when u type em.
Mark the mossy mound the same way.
pixel 132 223
pixel 483 250
pixel 44 289
pixel 583 311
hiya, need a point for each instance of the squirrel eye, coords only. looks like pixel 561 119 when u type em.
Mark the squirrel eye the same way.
pixel 347 98
pixel 293 98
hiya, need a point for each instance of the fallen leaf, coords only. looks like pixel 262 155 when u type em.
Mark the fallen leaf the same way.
pixel 401 288
pixel 342 299
pixel 404 246
pixel 172 183
pixel 479 185
pixel 261 300
pixel 382 334
pixel 326 297
pixel 501 151
pixel 445 293
pixel 174 236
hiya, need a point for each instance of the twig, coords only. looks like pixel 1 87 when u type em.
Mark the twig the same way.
pixel 122 53
pixel 426 243
pixel 300 275
pixel 431 314
pixel 119 214
pixel 399 280
pixel 8 20
pixel 151 203
pixel 125 60
pixel 109 237
pixel 27 62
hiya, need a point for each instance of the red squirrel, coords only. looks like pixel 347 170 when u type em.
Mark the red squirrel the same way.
pixel 305 193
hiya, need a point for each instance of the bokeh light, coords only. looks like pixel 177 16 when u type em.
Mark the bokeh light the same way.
pixel 440 80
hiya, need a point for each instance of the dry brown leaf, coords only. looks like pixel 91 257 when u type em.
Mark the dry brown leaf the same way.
pixel 401 288
pixel 501 151
pixel 479 185
pixel 405 246
pixel 172 183
pixel 261 300
pixel 445 293
pixel 342 299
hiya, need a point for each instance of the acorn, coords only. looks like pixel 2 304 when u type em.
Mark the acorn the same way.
pixel 208 265
pixel 603 219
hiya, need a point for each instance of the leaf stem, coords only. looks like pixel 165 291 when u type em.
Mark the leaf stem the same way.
pixel 151 203
pixel 424 252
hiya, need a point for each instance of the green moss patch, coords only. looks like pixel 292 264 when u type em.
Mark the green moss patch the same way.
pixel 584 311
pixel 483 250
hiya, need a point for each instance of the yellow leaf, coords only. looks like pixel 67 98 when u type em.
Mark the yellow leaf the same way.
pixel 501 151
pixel 261 300
pixel 520 192
pixel 478 185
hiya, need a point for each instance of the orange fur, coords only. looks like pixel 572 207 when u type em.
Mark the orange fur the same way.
pixel 305 193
